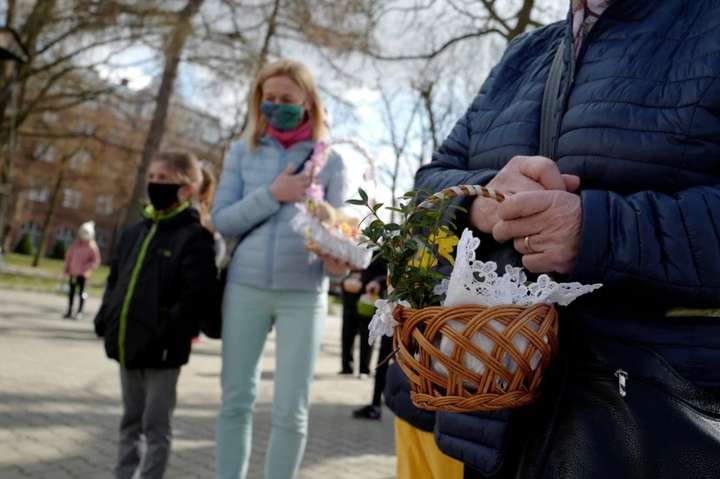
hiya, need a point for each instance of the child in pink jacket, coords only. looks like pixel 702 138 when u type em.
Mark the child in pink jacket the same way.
pixel 80 261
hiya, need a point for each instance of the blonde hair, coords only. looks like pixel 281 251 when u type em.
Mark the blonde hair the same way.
pixel 183 164
pixel 298 73
pixel 206 193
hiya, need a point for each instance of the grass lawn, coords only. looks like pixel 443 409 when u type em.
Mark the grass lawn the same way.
pixel 45 285
pixel 47 277
pixel 48 265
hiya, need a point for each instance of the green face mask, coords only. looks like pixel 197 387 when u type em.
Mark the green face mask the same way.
pixel 283 116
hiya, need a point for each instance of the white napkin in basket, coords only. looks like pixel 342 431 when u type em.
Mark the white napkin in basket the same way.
pixel 476 282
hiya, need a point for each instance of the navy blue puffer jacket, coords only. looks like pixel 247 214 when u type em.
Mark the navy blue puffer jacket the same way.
pixel 639 123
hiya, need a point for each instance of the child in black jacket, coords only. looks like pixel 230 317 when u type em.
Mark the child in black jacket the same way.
pixel 162 279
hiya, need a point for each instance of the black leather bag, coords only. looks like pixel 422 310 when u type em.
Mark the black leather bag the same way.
pixel 621 411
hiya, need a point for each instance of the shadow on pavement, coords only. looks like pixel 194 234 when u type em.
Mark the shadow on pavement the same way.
pixel 333 435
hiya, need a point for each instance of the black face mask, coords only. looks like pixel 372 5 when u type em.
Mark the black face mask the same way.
pixel 163 195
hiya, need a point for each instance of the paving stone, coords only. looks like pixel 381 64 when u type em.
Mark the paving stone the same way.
pixel 60 404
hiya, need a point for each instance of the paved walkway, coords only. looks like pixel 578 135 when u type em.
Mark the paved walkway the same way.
pixel 60 407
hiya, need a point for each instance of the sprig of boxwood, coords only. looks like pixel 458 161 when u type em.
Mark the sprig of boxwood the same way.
pixel 405 244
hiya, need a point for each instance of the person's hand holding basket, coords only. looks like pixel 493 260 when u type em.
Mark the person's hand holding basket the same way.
pixel 331 233
pixel 476 341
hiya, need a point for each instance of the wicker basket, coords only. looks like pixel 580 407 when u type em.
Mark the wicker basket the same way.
pixel 511 377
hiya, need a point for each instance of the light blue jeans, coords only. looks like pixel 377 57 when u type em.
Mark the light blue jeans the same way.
pixel 248 315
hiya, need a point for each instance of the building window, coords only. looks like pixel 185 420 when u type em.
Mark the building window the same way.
pixel 147 111
pixel 210 134
pixel 84 128
pixel 39 195
pixel 101 240
pixel 45 152
pixel 91 105
pixel 50 117
pixel 33 230
pixel 104 205
pixel 71 198
pixel 64 235
pixel 80 160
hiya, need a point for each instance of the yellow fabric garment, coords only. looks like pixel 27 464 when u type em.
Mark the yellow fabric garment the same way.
pixel 418 457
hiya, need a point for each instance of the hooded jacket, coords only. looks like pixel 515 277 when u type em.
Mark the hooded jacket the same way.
pixel 162 283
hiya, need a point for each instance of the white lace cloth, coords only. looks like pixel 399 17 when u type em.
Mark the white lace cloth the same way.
pixel 383 322
pixel 476 282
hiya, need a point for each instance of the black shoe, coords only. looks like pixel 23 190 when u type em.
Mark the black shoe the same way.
pixel 68 315
pixel 371 412
pixel 345 372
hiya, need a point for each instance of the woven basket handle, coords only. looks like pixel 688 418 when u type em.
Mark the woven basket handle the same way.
pixel 463 191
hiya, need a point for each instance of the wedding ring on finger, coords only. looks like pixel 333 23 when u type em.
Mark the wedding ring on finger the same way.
pixel 528 248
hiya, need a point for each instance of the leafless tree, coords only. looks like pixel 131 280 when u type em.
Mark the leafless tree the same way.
pixel 446 24
pixel 176 40
pixel 400 133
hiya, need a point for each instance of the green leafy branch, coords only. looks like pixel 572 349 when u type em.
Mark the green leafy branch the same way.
pixel 407 246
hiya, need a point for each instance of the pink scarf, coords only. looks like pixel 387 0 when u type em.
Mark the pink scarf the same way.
pixel 585 14
pixel 287 139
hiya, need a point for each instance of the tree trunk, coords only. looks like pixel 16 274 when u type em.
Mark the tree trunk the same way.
pixel 52 206
pixel 394 181
pixel 427 96
pixel 523 19
pixel 264 52
pixel 12 75
pixel 29 33
pixel 173 51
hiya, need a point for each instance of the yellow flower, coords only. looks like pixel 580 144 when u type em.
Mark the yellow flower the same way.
pixel 445 240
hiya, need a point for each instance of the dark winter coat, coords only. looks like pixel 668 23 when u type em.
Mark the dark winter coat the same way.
pixel 162 283
pixel 639 122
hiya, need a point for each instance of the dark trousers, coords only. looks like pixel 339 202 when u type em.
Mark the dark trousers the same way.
pixel 77 283
pixel 353 325
pixel 386 348
pixel 148 403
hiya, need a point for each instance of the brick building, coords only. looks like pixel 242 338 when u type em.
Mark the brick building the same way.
pixel 81 163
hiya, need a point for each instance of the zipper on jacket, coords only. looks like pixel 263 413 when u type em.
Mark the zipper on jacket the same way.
pixel 157 218
pixel 622 377
pixel 131 289
pixel 270 258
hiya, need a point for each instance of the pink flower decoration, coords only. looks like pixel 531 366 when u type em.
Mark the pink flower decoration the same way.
pixel 315 192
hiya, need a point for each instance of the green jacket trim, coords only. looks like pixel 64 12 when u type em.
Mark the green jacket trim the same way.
pixel 150 213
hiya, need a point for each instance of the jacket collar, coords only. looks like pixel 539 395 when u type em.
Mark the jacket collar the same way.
pixel 268 140
pixel 625 10
pixel 631 9
pixel 157 216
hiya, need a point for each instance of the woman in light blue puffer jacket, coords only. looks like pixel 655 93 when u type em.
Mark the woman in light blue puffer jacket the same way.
pixel 271 278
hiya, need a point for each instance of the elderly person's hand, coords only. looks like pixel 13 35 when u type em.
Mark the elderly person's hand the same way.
pixel 522 173
pixel 544 227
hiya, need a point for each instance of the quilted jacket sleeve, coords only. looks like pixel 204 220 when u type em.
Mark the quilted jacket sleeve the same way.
pixel 199 300
pixel 119 253
pixel 234 212
pixel 666 244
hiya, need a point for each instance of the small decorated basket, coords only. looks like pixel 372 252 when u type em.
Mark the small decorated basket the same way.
pixel 328 230
pixel 509 379
pixel 463 357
